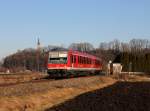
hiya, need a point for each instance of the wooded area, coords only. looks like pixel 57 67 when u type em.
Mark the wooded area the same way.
pixel 134 55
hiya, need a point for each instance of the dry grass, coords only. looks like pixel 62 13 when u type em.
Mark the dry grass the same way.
pixel 121 96
pixel 71 93
pixel 52 93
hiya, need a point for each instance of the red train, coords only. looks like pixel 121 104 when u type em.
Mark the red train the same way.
pixel 75 63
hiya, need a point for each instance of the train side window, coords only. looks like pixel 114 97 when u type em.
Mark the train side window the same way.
pixel 82 60
pixel 96 62
pixel 99 62
pixel 78 59
pixel 71 59
pixel 74 59
pixel 86 60
pixel 90 61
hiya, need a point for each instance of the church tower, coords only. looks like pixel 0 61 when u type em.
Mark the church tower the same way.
pixel 38 55
pixel 38 44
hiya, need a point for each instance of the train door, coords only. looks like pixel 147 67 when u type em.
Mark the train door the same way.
pixel 71 57
pixel 73 61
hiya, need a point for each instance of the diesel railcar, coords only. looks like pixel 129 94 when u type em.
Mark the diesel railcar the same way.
pixel 72 63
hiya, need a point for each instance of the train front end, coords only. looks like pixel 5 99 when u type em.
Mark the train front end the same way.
pixel 57 63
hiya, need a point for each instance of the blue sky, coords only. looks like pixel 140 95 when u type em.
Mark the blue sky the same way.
pixel 58 22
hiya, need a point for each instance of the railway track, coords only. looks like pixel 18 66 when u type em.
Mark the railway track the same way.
pixel 42 85
pixel 32 81
pixel 40 80
pixel 20 78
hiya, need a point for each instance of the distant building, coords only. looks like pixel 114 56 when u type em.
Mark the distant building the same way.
pixel 38 54
pixel 117 68
pixel 114 68
pixel 38 45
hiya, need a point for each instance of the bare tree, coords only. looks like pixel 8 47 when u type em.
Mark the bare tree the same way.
pixel 116 45
pixel 103 46
pixel 138 45
pixel 81 46
pixel 125 47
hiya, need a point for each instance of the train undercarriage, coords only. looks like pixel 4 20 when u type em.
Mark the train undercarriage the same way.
pixel 55 73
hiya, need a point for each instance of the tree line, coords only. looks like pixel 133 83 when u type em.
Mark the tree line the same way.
pixel 133 55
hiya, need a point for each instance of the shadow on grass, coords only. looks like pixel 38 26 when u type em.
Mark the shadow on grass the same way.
pixel 121 96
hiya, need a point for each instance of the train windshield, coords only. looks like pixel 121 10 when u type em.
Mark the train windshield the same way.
pixel 58 60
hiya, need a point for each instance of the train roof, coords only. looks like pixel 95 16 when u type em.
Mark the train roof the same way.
pixel 76 53
pixel 84 54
